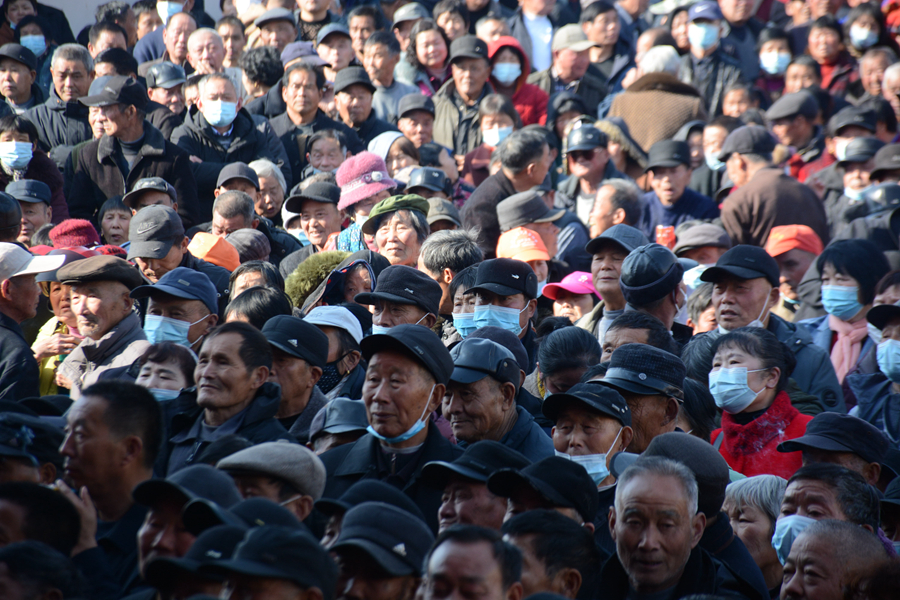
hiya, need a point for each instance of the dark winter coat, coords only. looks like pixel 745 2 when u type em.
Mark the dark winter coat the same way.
pixel 42 169
pixel 19 376
pixel 293 137
pixel 61 126
pixel 591 88
pixel 724 72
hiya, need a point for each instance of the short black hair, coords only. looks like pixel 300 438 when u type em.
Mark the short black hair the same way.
pixel 230 20
pixel 594 10
pixel 17 124
pixel 568 348
pixel 262 65
pixel 40 569
pixel 429 155
pixel 465 278
pixel 316 72
pixel 699 408
pixel 168 351
pixel 123 62
pixel 106 26
pixel 131 410
pixel 452 6
pixel 49 517
pixel 112 204
pixel 559 543
pixel 762 344
pixel 699 301
pixel 384 38
pixel 805 60
pixel 827 22
pixel 522 148
pixel 33 20
pixel 142 6
pixel 884 113
pixel 769 34
pixel 860 259
pixel 259 304
pixel 697 356
pixel 859 501
pixel 274 278
pixel 255 350
pixel 112 11
pixel 508 556
pixel 373 11
pixel 657 334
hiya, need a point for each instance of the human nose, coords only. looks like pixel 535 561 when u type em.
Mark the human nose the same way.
pixel 67 446
pixel 165 539
pixel 447 510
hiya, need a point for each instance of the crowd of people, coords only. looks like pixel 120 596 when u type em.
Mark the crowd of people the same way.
pixel 486 299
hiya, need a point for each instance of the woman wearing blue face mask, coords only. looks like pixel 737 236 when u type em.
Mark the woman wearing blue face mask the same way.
pixel 864 28
pixel 750 372
pixel 14 11
pixel 850 270
pixel 498 119
pixel 166 369
pixel 22 158
pixel 509 73
pixel 33 33
pixel 774 49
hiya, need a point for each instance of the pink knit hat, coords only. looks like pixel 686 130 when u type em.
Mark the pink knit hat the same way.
pixel 362 176
pixel 74 232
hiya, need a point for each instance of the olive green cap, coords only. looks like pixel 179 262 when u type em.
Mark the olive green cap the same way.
pixel 393 204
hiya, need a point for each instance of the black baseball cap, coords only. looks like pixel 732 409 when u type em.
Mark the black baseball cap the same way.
pixel 341 415
pixel 44 438
pixel 298 338
pixel 237 170
pixel 29 190
pixel 479 461
pixel 352 75
pixel 19 54
pixel 560 481
pixel 395 539
pixel 835 432
pixel 749 139
pixel 602 399
pixel 319 191
pixel 586 137
pixel 190 483
pixel 468 46
pixel 152 232
pixel 119 90
pixel 404 285
pixel 368 490
pixel 505 277
pixel 200 514
pixel 477 358
pixel 429 178
pixel 668 153
pixel 853 116
pixel 643 369
pixel 881 315
pixel 744 262
pixel 185 283
pixel 215 544
pixel 422 343
pixel 156 184
pixel 649 273
pixel 886 159
pixel 412 102
pixel 625 236
pixel 165 75
pixel 799 103
pixel 860 149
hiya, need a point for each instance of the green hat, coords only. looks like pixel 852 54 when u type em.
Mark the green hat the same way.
pixel 393 204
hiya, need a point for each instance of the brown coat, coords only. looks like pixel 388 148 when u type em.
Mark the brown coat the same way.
pixel 656 106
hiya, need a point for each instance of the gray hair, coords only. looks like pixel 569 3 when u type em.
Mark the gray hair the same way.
pixel 660 59
pixel 626 196
pixel 892 71
pixel 873 53
pixel 74 52
pixel 415 218
pixel 660 467
pixel 451 249
pixel 762 491
pixel 206 31
pixel 266 168
pixel 233 204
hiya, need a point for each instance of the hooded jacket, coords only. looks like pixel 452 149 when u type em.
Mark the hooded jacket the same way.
pixel 61 126
pixel 530 100
pixel 250 140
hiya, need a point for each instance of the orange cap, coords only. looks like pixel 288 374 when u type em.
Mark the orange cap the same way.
pixel 521 244
pixel 216 250
pixel 789 237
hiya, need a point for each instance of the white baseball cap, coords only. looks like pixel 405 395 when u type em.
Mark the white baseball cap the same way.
pixel 336 316
pixel 15 261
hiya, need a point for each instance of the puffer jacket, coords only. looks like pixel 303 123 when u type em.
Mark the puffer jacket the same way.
pixel 530 100
pixel 591 87
pixel 250 140
pixel 61 126
pixel 456 124
pixel 877 403
pixel 725 72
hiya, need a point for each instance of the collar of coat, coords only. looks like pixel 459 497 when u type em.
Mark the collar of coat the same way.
pixel 154 145
pixel 663 82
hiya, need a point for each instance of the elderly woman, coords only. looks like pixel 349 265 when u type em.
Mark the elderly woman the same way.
pixel 750 371
pixel 272 190
pixel 166 369
pixel 752 506
pixel 364 182
pixel 427 58
pixel 573 297
pixel 400 226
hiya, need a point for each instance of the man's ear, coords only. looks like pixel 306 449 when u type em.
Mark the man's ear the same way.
pixel 671 410
pixel 429 320
pixel 697 526
pixel 315 373
pixel 134 448
pixel 447 275
pixel 255 223
pixel 611 519
pixel 618 216
pixel 568 581
pixel 259 376
pixel 515 591
pixel 509 395
pixel 872 472
pixel 184 244
pixel 437 396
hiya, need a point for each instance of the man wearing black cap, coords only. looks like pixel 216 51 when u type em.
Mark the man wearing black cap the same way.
pixel 165 83
pixel 481 400
pixel 415 118
pixel 853 170
pixel 402 295
pixel 220 132
pixel 299 351
pixel 129 150
pixel 745 288
pixel 765 196
pixel 341 421
pixel 18 71
pixel 672 202
pixel 353 93
pixel 34 199
pixel 793 119
pixel 456 103
pixel 401 436
pixel 466 499
pixel 588 164
pixel 316 205
pixel 845 125
pixel 150 191
pixel 609 250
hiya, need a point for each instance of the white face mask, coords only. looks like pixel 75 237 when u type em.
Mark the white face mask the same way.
pixel 594 464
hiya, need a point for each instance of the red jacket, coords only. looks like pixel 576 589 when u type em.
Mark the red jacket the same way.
pixel 530 100
pixel 751 449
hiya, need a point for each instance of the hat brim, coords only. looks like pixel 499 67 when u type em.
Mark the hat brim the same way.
pixel 594 246
pixel 468 55
pixel 343 428
pixel 200 514
pixel 494 288
pixel 41 264
pixel 666 164
pixel 582 147
pixel 129 198
pixel 387 561
pixel 551 290
pixel 369 298
pixel 529 254
pixel 248 567
pixel 813 441
pixel 149 249
pixel 152 491
pixel 259 24
pixel 467 375
pixel 881 315
pixel 554 403
pixel 295 203
pixel 331 506
pixel 145 291
pixel 168 85
pixel 855 158
pixel 627 385
pixel 578 46
pixel 435 218
pixel 163 571
pixel 713 274
pixel 365 84
pixel 438 473
pixel 552 215
pixel 98 100
pixel 505 482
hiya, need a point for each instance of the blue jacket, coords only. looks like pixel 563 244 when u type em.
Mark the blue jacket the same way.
pixel 822 335
pixel 691 206
pixel 877 403
pixel 526 437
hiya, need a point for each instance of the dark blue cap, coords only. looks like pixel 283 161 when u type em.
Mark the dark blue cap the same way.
pixel 405 285
pixel 705 10
pixel 19 54
pixel 420 342
pixel 624 236
pixel 368 490
pixel 835 432
pixel 643 369
pixel 341 415
pixel 201 514
pixel 195 481
pixel 480 460
pixel 329 29
pixel 213 545
pixel 297 338
pixel 29 190
pixel 476 358
pixel 182 282
pixel 599 398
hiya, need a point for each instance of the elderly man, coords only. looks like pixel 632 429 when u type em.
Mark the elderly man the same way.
pixel 165 86
pixel 399 420
pixel 220 132
pixel 343 374
pixel 839 554
pixel 381 53
pixel 62 122
pixel 415 118
pixel 18 72
pixel 562 233
pixel 571 69
pixel 19 295
pixel 130 149
pixel 765 196
pixel 745 288
pixel 34 199
pixel 587 160
pixel 151 191
pixel 402 295
pixel 371 567
pixel 233 396
pixel 456 122
pixel 299 352
pixel 466 499
pixel 793 118
pixel 175 34
pixel 617 201
pixel 316 206
pixel 609 250
pixel 656 527
pixel 101 301
pixel 480 403
pixel 443 255
pixel 288 474
pixel 353 96
pixel 277 28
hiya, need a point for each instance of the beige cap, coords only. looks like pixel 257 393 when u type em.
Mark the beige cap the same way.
pixel 571 37
pixel 297 465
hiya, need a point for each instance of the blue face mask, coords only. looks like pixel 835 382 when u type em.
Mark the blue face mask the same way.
pixel 703 35
pixel 841 301
pixel 862 38
pixel 36 43
pixel 493 137
pixel 163 329
pixel 464 323
pixel 730 390
pixel 594 464
pixel 713 162
pixel 888 356
pixel 164 395
pixel 774 63
pixel 856 195
pixel 787 529
pixel 506 73
pixel 489 315
pixel 411 432
pixel 874 333
pixel 218 113
pixel 378 329
pixel 15 155
pixel 166 9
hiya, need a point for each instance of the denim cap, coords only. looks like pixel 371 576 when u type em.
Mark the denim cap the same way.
pixel 185 283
